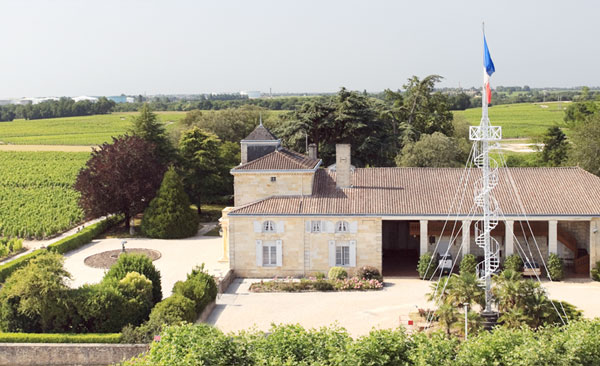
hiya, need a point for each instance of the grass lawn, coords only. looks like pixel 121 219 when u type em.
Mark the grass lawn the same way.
pixel 85 130
pixel 524 120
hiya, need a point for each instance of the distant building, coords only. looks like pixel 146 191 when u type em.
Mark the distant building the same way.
pixel 118 98
pixel 253 94
pixel 84 97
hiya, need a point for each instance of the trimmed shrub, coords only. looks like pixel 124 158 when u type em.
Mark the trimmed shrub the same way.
pixel 84 236
pixel 137 263
pixel 514 263
pixel 200 287
pixel 169 215
pixel 337 273
pixel 468 264
pixel 426 266
pixel 173 310
pixel 369 273
pixel 596 272
pixel 555 267
pixel 59 338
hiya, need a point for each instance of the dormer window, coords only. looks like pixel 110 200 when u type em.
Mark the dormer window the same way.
pixel 269 227
pixel 341 227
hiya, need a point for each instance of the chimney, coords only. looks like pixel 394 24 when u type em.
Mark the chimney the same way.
pixel 342 165
pixel 244 151
pixel 312 151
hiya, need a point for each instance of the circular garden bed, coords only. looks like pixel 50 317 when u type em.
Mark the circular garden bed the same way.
pixel 108 258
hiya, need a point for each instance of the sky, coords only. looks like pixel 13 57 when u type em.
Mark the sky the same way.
pixel 70 48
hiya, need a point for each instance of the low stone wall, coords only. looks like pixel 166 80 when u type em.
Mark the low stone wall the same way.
pixel 225 281
pixel 61 354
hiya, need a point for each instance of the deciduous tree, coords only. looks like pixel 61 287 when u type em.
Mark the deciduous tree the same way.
pixel 120 178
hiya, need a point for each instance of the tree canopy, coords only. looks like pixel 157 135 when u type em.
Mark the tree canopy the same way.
pixel 147 126
pixel 120 178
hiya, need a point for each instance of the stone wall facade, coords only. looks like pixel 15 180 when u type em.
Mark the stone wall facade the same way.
pixel 303 252
pixel 67 354
pixel 250 187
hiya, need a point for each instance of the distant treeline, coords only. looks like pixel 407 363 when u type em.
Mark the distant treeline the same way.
pixel 207 103
pixel 64 107
pixel 457 99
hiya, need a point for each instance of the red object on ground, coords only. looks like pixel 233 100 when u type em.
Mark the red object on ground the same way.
pixel 410 322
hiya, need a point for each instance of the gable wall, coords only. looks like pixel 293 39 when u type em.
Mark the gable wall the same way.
pixel 250 187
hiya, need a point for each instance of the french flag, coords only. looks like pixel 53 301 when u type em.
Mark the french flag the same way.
pixel 488 70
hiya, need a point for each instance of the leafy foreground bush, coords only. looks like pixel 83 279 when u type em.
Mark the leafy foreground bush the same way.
pixel 189 299
pixel 514 263
pixel 169 215
pixel 426 266
pixel 468 264
pixel 137 263
pixel 337 273
pixel 369 273
pixel 596 272
pixel 575 344
pixel 36 299
pixel 555 267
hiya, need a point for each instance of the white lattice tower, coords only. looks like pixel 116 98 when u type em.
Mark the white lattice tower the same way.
pixel 484 135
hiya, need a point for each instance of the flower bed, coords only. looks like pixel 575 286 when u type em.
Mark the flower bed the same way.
pixel 316 284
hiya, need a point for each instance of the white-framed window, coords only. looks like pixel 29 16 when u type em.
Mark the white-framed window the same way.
pixel 269 256
pixel 269 253
pixel 342 253
pixel 315 226
pixel 269 227
pixel 341 227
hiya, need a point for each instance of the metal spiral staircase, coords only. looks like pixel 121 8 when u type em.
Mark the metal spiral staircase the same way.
pixel 483 135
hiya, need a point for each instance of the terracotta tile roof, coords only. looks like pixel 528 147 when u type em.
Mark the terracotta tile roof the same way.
pixel 430 191
pixel 281 159
pixel 260 133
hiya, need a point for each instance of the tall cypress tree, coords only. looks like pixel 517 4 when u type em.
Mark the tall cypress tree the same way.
pixel 169 215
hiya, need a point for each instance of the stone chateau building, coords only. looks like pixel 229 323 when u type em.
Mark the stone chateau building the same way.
pixel 294 217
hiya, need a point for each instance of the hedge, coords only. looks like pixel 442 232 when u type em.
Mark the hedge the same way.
pixel 59 338
pixel 62 246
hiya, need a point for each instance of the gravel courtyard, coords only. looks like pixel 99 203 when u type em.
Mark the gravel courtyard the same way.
pixel 177 260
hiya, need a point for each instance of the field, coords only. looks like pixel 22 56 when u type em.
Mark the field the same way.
pixel 526 120
pixel 35 193
pixel 86 130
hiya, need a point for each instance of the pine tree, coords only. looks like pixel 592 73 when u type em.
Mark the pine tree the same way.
pixel 169 215
pixel 147 126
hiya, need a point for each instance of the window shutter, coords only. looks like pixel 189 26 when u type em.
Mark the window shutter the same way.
pixel 257 227
pixel 280 226
pixel 353 227
pixel 331 253
pixel 307 226
pixel 327 227
pixel 352 253
pixel 259 253
pixel 279 253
